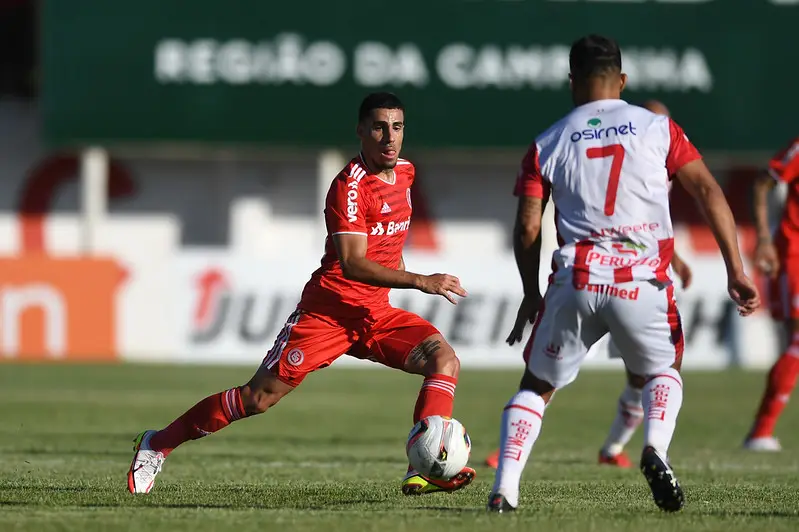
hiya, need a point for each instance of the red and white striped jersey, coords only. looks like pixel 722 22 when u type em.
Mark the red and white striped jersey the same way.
pixel 784 166
pixel 608 165
pixel 361 203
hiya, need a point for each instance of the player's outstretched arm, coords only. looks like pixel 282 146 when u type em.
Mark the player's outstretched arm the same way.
pixel 527 250
pixel 355 266
pixel 766 259
pixel 700 183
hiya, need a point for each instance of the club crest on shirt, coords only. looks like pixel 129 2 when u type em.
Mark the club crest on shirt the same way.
pixel 408 196
pixel 295 357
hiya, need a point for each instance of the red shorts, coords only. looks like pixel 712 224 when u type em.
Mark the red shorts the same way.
pixel 784 291
pixel 310 341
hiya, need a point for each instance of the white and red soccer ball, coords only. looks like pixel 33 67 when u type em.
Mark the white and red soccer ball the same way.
pixel 438 447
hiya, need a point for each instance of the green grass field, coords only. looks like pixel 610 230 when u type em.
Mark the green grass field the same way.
pixel 330 457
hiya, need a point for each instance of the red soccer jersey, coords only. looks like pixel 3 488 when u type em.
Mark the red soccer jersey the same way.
pixel 361 203
pixel 784 166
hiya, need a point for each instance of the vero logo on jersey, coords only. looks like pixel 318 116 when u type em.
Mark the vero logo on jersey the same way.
pixel 352 201
pixel 597 132
pixel 356 174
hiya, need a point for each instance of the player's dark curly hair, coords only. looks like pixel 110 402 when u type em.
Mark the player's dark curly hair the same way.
pixel 378 100
pixel 594 56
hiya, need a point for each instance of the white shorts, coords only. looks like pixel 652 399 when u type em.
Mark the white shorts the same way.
pixel 641 317
pixel 613 349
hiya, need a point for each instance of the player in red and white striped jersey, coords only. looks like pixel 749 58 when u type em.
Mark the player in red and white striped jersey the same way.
pixel 607 166
pixel 344 307
pixel 778 259
pixel 629 412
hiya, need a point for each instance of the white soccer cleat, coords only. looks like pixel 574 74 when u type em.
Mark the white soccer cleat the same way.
pixel 767 444
pixel 146 464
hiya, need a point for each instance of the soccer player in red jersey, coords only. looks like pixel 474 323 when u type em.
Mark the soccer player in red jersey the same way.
pixel 630 411
pixel 344 307
pixel 778 258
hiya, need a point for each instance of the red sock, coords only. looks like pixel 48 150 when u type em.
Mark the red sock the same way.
pixel 781 380
pixel 435 397
pixel 209 415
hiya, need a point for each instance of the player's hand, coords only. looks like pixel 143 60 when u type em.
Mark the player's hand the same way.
pixel 766 258
pixel 442 284
pixel 683 271
pixel 526 314
pixel 744 292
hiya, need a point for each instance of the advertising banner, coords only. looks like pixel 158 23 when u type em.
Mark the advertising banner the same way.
pixel 219 308
pixel 496 72
pixel 230 309
pixel 59 309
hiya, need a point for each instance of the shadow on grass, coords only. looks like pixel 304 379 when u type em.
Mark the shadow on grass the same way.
pixel 346 506
pixel 333 506
pixel 452 510
pixel 23 454
pixel 780 514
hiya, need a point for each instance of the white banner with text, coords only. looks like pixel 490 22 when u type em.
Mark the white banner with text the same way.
pixel 229 309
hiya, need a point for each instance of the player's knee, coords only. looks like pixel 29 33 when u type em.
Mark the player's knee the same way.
pixel 538 386
pixel 258 401
pixel 444 362
pixel 635 381
pixel 262 393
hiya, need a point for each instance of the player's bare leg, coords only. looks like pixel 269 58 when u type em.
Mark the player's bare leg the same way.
pixel 206 417
pixel 779 385
pixel 521 425
pixel 662 400
pixel 436 360
pixel 629 415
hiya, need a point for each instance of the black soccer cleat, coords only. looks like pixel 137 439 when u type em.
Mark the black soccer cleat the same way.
pixel 497 503
pixel 665 487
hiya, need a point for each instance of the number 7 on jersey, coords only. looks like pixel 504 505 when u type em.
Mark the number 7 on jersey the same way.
pixel 617 152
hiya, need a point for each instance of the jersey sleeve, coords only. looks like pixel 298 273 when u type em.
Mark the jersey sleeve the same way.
pixel 345 206
pixel 530 181
pixel 681 150
pixel 784 166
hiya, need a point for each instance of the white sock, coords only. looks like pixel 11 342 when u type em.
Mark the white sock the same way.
pixel 629 415
pixel 521 424
pixel 662 400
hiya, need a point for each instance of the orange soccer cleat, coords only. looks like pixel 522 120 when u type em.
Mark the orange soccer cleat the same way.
pixel 493 460
pixel 619 460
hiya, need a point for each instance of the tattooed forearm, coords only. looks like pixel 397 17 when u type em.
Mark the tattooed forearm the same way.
pixel 527 241
pixel 528 221
pixel 422 352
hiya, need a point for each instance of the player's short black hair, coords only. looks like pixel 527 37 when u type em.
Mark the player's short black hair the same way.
pixel 594 56
pixel 379 100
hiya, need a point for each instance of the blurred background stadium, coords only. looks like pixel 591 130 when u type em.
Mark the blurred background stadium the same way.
pixel 164 164
pixel 163 167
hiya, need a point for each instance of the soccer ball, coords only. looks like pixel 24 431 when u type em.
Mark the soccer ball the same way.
pixel 438 447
